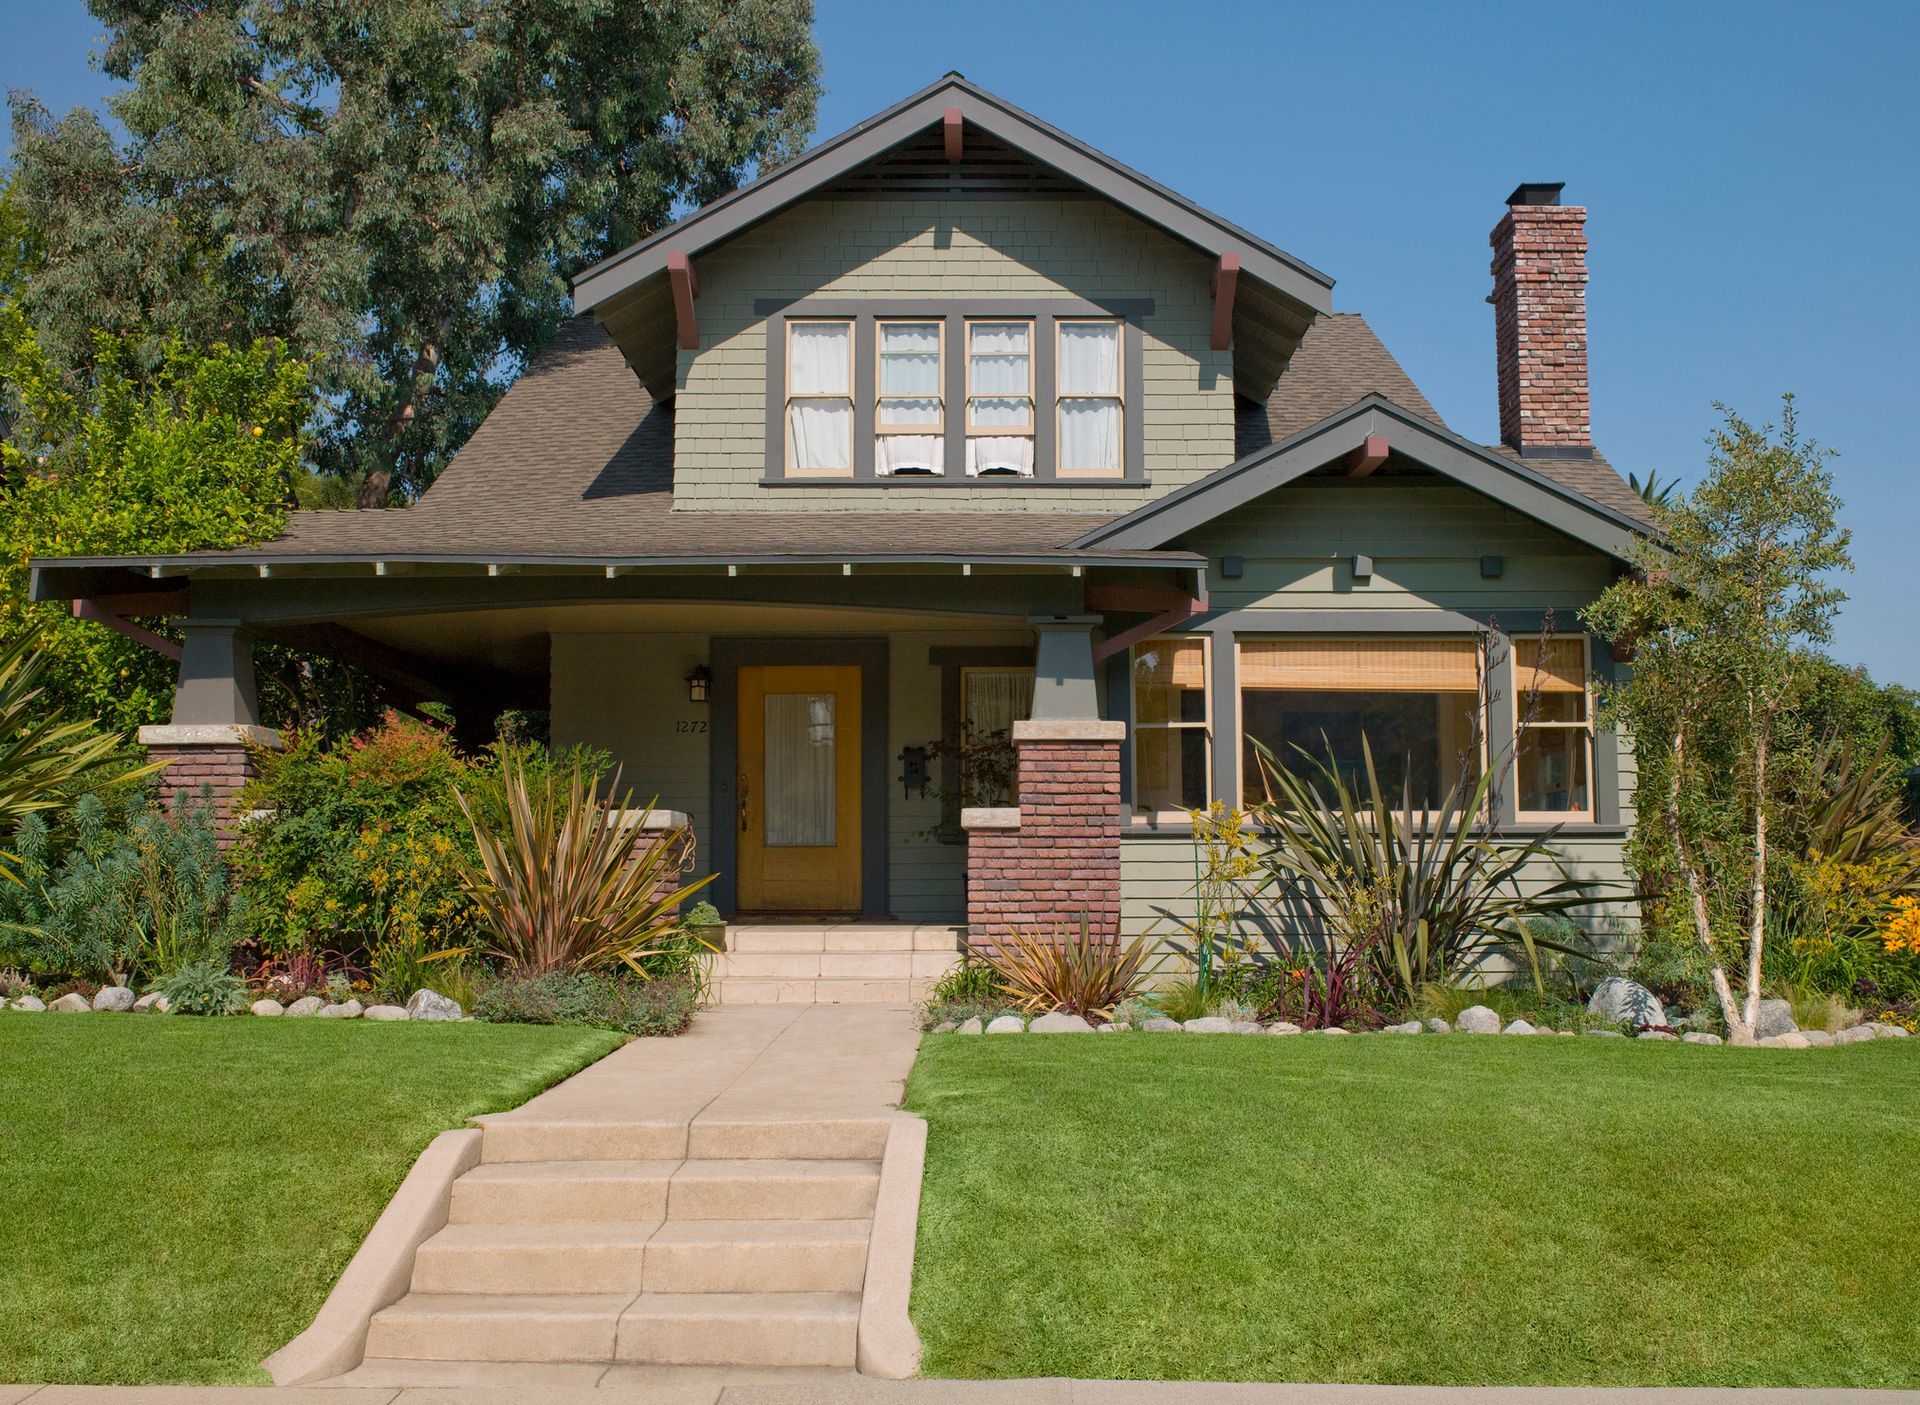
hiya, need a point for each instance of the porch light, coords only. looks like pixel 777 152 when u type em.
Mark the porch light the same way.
pixel 698 683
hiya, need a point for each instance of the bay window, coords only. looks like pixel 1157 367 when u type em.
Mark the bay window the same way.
pixel 1172 735
pixel 1415 701
pixel 1000 421
pixel 1553 728
pixel 1091 408
pixel 819 418
pixel 909 423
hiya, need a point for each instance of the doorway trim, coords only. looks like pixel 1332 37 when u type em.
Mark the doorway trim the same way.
pixel 728 654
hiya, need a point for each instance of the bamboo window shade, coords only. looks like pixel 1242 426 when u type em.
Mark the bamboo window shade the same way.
pixel 1552 665
pixel 1362 665
pixel 1172 663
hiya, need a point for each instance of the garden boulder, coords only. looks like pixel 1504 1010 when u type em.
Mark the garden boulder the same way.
pixel 1775 1017
pixel 1697 1037
pixel 113 997
pixel 306 1005
pixel 28 1005
pixel 1888 1031
pixel 1006 1024
pixel 72 1003
pixel 1666 1035
pixel 432 1005
pixel 1113 1028
pixel 1410 1027
pixel 1477 1019
pixel 1246 1026
pixel 148 1002
pixel 1792 1039
pixel 385 1012
pixel 1859 1034
pixel 346 1010
pixel 268 1007
pixel 1283 1027
pixel 1208 1024
pixel 1160 1023
pixel 972 1026
pixel 1059 1022
pixel 1818 1038
pixel 1438 1026
pixel 1519 1027
pixel 1618 1000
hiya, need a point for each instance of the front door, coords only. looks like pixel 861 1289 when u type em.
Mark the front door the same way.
pixel 798 797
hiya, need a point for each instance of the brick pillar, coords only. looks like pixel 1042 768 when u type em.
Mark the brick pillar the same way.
pixel 1043 865
pixel 658 827
pixel 215 758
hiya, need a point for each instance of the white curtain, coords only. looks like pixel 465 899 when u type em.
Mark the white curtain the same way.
pixel 910 358
pixel 820 434
pixel 996 698
pixel 801 742
pixel 820 364
pixel 909 453
pixel 1000 453
pixel 1090 435
pixel 820 358
pixel 1089 358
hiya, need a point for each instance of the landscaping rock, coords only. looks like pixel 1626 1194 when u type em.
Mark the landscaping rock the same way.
pixel 116 998
pixel 1696 1037
pixel 972 1026
pixel 268 1008
pixel 1410 1027
pixel 1160 1024
pixel 1330 1029
pixel 1888 1031
pixel 1477 1019
pixel 1859 1034
pixel 146 1002
pixel 347 1010
pixel 1792 1039
pixel 1618 1000
pixel 432 1005
pixel 945 1027
pixel 1113 1027
pixel 1209 1024
pixel 1818 1038
pixel 71 1004
pixel 1518 1027
pixel 1059 1022
pixel 1605 1034
pixel 1663 1034
pixel 386 1013
pixel 1007 1024
pixel 1246 1027
pixel 1438 1026
pixel 306 1005
pixel 1283 1027
pixel 1775 1017
pixel 28 1005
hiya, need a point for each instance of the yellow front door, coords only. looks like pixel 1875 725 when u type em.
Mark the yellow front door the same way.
pixel 798 796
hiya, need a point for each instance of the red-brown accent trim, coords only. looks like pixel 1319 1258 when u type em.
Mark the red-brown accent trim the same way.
pixel 1368 456
pixel 686 287
pixel 1226 276
pixel 1145 599
pixel 1127 638
pixel 950 128
pixel 84 609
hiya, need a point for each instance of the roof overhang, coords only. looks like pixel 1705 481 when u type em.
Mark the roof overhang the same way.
pixel 1154 525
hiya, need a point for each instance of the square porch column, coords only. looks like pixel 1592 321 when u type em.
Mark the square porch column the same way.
pixel 215 734
pixel 1049 861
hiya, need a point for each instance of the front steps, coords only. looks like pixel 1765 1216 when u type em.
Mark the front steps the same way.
pixel 745 1246
pixel 848 963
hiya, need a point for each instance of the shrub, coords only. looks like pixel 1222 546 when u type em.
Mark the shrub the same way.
pixel 644 1007
pixel 295 974
pixel 205 987
pixel 1080 973
pixel 967 991
pixel 1185 1000
pixel 703 914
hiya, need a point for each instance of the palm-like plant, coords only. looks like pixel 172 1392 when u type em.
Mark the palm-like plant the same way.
pixel 1080 973
pixel 558 884
pixel 1652 491
pixel 1409 895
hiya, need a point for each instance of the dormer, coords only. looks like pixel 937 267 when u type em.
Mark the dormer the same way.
pixel 952 303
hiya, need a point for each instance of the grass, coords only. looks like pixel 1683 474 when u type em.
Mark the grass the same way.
pixel 1450 1211
pixel 178 1196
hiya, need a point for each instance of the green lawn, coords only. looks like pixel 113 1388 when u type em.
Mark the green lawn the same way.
pixel 1401 1210
pixel 177 1196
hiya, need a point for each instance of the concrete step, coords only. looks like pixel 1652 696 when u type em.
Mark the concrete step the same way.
pixel 800 991
pixel 846 938
pixel 741 1329
pixel 757 1256
pixel 534 1258
pixel 822 1139
pixel 549 1192
pixel 831 965
pixel 498 1327
pixel 521 1139
pixel 773 1189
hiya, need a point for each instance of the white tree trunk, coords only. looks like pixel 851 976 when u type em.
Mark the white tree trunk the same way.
pixel 1739 1029
pixel 1757 928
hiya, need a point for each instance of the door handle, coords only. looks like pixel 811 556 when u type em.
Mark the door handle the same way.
pixel 742 806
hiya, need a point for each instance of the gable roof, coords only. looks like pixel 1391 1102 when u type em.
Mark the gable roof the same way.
pixel 1517 482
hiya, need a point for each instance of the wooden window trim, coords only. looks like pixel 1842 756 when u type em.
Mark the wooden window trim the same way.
pixel 852 397
pixel 1119 397
pixel 939 426
pixel 1205 725
pixel 1586 726
pixel 1004 431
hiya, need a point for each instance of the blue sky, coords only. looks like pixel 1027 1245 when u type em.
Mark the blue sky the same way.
pixel 1749 169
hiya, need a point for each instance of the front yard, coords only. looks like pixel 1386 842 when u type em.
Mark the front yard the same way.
pixel 177 1196
pixel 1419 1210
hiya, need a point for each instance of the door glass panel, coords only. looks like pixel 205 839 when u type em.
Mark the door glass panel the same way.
pixel 801 747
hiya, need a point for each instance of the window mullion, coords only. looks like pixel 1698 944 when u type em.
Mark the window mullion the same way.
pixel 1045 377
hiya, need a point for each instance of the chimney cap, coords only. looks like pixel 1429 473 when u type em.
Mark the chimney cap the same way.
pixel 1537 193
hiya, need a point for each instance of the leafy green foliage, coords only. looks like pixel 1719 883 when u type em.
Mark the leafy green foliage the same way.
pixel 1077 972
pixel 123 888
pixel 205 987
pixel 598 1000
pixel 400 192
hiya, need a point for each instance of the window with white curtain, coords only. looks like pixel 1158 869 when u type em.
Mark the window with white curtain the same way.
pixel 1091 409
pixel 909 422
pixel 1000 420
pixel 991 701
pixel 820 398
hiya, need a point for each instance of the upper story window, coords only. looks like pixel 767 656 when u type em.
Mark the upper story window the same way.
pixel 952 392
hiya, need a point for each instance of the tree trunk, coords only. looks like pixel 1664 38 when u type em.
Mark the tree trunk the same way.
pixel 373 492
pixel 1757 929
pixel 1739 1030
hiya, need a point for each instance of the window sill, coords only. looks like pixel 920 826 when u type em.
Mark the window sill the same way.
pixel 998 483
pixel 1178 826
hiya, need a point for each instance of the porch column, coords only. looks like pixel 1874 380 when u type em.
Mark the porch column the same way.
pixel 215 732
pixel 1043 864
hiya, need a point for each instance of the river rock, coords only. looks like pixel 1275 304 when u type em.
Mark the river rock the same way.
pixel 306 1005
pixel 972 1026
pixel 345 1010
pixel 1818 1038
pixel 1792 1039
pixel 1410 1027
pixel 1438 1026
pixel 1774 1017
pixel 1113 1027
pixel 432 1005
pixel 1246 1026
pixel 1330 1029
pixel 1618 1000
pixel 386 1013
pixel 1160 1024
pixel 268 1008
pixel 72 1003
pixel 1664 1035
pixel 1696 1037
pixel 113 997
pixel 1888 1031
pixel 1477 1019
pixel 1059 1022
pixel 1519 1027
pixel 1859 1034
pixel 1007 1024
pixel 28 1004
pixel 1209 1024
pixel 1283 1027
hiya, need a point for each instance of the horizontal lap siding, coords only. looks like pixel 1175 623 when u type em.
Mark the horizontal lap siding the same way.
pixel 931 248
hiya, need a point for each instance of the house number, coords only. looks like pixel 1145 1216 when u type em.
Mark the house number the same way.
pixel 690 724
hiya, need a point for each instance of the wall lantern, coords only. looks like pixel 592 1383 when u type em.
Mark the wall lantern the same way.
pixel 699 682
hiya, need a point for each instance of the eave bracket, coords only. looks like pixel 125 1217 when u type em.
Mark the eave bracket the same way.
pixel 686 287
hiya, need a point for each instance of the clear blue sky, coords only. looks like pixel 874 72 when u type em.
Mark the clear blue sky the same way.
pixel 1750 169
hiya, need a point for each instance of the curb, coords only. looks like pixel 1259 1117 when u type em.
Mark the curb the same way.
pixel 889 1345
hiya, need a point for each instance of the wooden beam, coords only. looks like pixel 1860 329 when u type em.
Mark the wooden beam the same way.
pixel 1127 638
pixel 88 610
pixel 1368 456
pixel 686 287
pixel 1226 277
pixel 950 127
pixel 1136 599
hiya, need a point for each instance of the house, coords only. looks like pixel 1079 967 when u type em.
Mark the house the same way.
pixel 951 429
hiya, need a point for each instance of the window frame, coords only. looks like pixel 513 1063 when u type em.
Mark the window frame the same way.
pixel 938 429
pixel 789 396
pixel 1591 815
pixel 1119 398
pixel 1136 726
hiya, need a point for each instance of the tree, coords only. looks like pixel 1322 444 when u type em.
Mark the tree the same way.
pixel 398 190
pixel 1721 619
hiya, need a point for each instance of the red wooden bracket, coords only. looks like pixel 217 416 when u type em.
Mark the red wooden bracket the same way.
pixel 1225 277
pixel 950 122
pixel 686 287
pixel 1368 456
pixel 84 609
pixel 1127 638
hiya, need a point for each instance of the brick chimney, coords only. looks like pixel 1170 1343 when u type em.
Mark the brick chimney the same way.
pixel 1540 324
